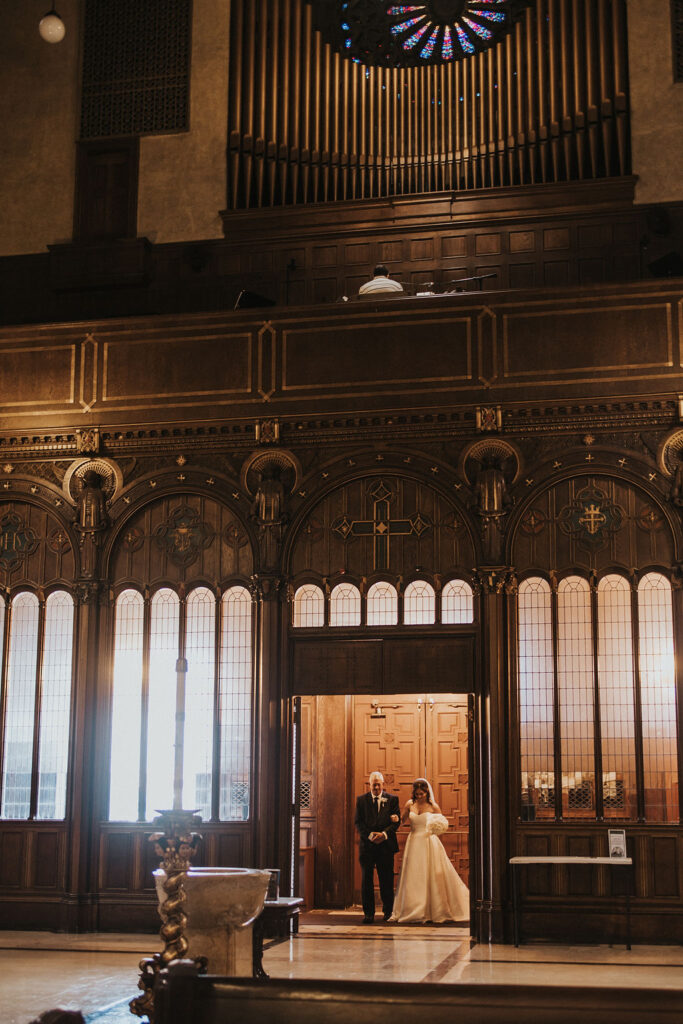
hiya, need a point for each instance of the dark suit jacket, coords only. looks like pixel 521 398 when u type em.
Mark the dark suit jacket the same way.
pixel 366 821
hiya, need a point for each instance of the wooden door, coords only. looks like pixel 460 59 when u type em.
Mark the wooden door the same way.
pixel 446 767
pixel 388 738
pixel 411 736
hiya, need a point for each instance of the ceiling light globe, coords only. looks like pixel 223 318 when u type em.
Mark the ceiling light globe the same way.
pixel 52 28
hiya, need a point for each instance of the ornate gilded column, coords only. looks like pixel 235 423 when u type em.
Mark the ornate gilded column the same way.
pixel 492 727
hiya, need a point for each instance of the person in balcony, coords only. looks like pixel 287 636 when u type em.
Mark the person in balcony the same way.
pixel 380 283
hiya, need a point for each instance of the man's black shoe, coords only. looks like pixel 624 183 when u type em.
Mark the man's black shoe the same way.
pixel 368 920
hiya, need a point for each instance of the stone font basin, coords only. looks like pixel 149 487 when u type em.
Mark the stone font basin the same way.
pixel 221 906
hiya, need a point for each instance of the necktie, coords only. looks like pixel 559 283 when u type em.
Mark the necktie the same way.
pixel 377 806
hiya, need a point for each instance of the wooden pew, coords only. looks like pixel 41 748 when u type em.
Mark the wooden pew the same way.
pixel 183 996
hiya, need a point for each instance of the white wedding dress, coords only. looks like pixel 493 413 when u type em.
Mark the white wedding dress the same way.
pixel 429 887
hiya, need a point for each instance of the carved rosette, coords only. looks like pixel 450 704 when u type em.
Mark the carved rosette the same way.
pixel 184 536
pixel 591 519
pixel 17 541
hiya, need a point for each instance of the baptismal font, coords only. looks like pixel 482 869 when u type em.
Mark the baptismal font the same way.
pixel 176 843
pixel 206 913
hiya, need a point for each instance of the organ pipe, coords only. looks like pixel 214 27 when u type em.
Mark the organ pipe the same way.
pixel 549 103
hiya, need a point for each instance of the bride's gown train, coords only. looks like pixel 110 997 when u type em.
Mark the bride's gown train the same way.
pixel 429 887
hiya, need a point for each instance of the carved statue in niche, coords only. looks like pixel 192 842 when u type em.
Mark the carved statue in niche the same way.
pixel 268 504
pixel 488 466
pixel 92 506
pixel 92 520
pixel 267 511
pixel 676 493
pixel 490 489
pixel 270 477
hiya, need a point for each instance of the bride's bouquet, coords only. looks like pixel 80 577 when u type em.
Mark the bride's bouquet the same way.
pixel 437 824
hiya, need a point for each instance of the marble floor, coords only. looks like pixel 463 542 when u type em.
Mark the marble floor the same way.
pixel 43 970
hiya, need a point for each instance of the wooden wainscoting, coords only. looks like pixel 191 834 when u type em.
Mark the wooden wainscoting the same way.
pixel 125 887
pixel 33 874
pixel 582 903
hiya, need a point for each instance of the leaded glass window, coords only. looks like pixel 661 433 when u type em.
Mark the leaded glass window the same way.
pixel 309 607
pixel 658 698
pixel 345 605
pixel 585 700
pixel 382 605
pixel 419 603
pixel 37 705
pixel 615 687
pixel 536 698
pixel 215 643
pixel 457 602
pixel 576 697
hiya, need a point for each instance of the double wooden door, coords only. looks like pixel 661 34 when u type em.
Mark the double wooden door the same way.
pixel 411 736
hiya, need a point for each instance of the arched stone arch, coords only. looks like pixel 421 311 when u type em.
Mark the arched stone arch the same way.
pixel 387 522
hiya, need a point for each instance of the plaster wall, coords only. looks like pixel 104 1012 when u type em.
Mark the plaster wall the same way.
pixel 656 103
pixel 182 178
pixel 39 112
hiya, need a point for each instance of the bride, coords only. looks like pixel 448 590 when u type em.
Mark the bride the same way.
pixel 429 887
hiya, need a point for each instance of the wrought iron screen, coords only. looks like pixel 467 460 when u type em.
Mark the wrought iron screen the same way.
pixel 136 67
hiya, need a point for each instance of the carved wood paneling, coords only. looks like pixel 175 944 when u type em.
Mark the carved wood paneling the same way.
pixel 346 357
pixel 38 547
pixel 116 861
pixel 445 664
pixel 405 352
pixel 440 664
pixel 217 367
pixel 12 857
pixel 643 537
pixel 48 858
pixel 335 842
pixel 439 543
pixel 149 549
pixel 336 666
pixel 665 854
pixel 585 340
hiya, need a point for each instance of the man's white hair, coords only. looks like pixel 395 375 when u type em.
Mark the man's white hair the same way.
pixel 376 775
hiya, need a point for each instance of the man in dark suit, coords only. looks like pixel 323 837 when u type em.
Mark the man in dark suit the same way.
pixel 377 818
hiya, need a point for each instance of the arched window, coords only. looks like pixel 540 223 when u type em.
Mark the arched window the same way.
pixel 583 684
pixel 163 654
pixel 457 605
pixel 658 697
pixel 200 651
pixel 217 703
pixel 536 697
pixel 126 707
pixel 576 696
pixel 382 604
pixel 419 603
pixel 55 705
pixel 615 685
pixel 235 705
pixel 37 686
pixel 345 605
pixel 309 607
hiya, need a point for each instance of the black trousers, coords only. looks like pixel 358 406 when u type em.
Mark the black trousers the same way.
pixel 380 858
